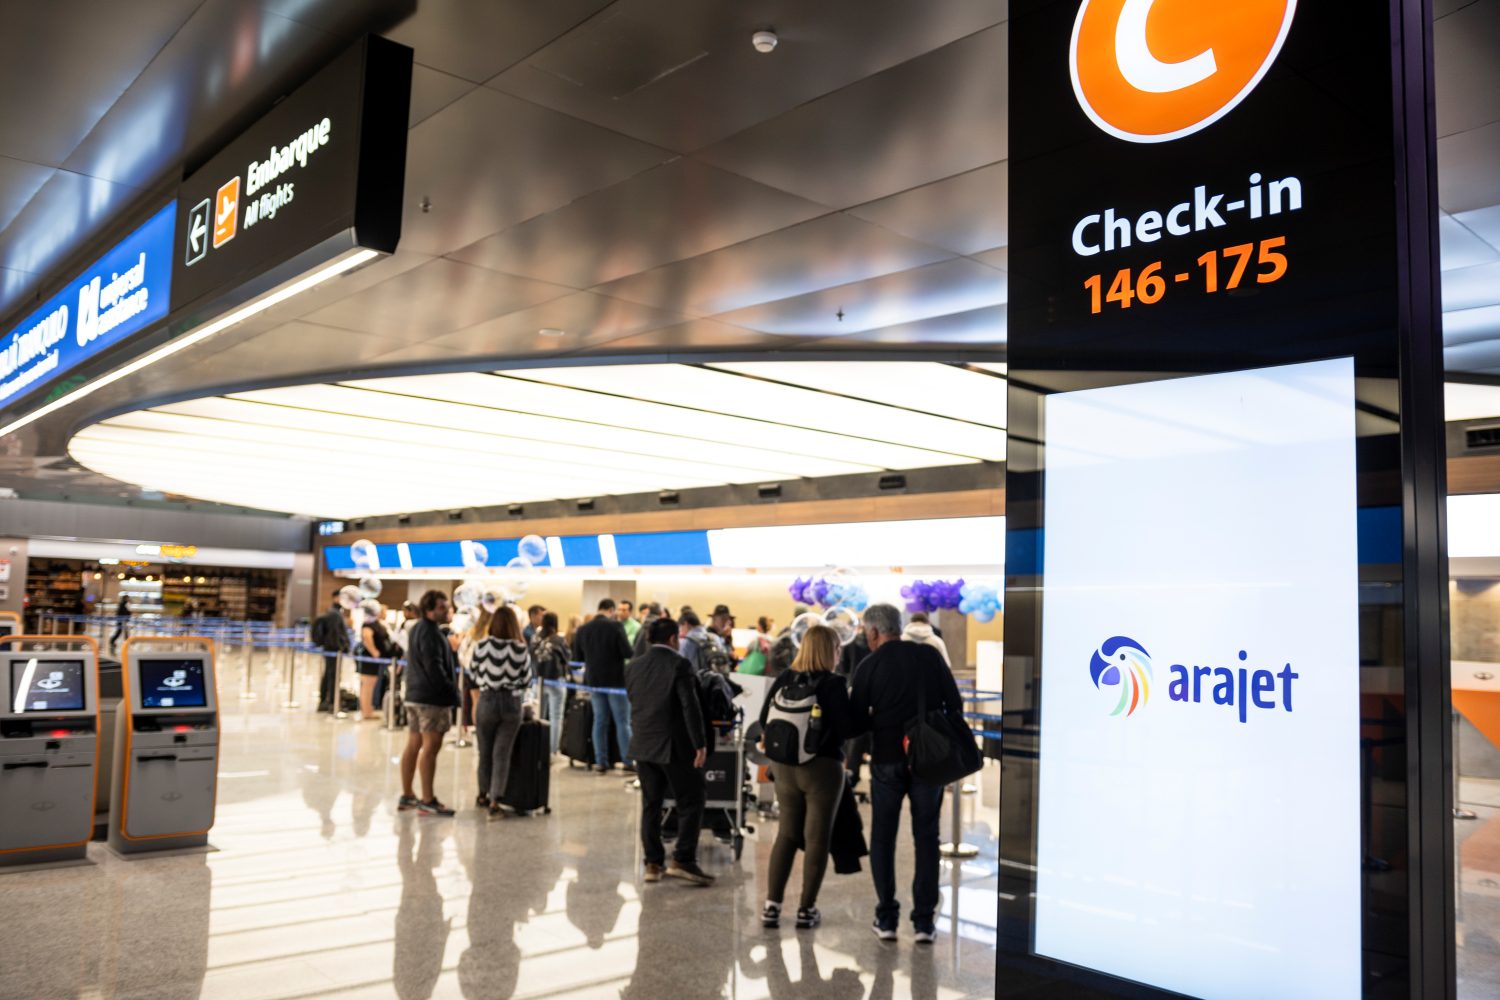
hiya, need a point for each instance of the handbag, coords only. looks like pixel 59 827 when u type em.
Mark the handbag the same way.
pixel 940 748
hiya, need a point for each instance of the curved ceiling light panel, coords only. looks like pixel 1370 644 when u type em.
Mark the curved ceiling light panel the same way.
pixel 434 442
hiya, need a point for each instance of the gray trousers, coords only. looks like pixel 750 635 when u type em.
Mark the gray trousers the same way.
pixel 497 719
pixel 808 795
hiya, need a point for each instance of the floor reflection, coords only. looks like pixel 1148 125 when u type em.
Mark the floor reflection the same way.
pixel 320 887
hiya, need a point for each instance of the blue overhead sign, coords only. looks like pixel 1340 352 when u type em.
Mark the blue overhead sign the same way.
pixel 124 291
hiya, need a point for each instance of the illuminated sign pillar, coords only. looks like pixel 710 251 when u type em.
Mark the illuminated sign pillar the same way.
pixel 1226 765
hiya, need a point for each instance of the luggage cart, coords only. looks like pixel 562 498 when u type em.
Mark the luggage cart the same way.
pixel 728 796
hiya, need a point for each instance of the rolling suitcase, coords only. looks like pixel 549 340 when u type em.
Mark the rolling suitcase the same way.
pixel 577 732
pixel 530 781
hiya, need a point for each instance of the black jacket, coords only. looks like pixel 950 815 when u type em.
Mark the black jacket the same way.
pixel 833 699
pixel 430 667
pixel 885 694
pixel 328 631
pixel 847 842
pixel 601 644
pixel 665 722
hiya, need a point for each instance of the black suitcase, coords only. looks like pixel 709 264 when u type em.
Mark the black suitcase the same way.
pixel 529 785
pixel 577 742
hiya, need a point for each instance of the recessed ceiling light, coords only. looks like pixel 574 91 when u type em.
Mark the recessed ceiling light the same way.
pixel 551 331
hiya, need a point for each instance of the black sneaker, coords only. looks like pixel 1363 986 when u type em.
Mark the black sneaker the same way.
pixel 925 935
pixel 770 915
pixel 406 802
pixel 882 932
pixel 432 807
pixel 808 917
pixel 689 871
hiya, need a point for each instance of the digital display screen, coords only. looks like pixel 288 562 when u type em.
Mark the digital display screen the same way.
pixel 169 683
pixel 7 627
pixel 1199 815
pixel 45 685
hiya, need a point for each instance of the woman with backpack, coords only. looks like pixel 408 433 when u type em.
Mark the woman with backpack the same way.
pixel 549 655
pixel 804 722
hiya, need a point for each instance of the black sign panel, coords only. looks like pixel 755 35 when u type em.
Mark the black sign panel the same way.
pixel 1202 191
pixel 326 163
pixel 1267 234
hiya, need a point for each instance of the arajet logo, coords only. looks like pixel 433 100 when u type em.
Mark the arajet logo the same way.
pixel 1157 70
pixel 1123 661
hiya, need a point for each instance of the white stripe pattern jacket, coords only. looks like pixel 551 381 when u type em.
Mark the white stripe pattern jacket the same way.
pixel 501 665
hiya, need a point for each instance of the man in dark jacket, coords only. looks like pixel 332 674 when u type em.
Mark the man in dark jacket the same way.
pixel 329 633
pixel 669 750
pixel 856 749
pixel 601 644
pixel 884 700
pixel 431 695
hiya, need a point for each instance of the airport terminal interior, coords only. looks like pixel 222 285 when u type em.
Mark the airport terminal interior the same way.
pixel 315 313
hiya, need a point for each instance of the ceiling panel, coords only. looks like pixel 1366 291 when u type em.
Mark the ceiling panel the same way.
pixel 832 250
pixel 696 335
pixel 477 40
pixel 1469 287
pixel 949 390
pixel 1467 174
pixel 942 289
pixel 965 214
pixel 488 161
pixel 1465 68
pixel 87 54
pixel 980 328
pixel 540 434
pixel 682 73
pixel 677 210
pixel 434 298
pixel 433 90
pixel 885 124
pixel 66 210
pixel 19 182
pixel 312 346
pixel 584 318
pixel 1461 246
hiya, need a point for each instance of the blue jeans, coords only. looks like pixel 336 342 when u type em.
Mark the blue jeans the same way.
pixel 554 698
pixel 889 785
pixel 605 706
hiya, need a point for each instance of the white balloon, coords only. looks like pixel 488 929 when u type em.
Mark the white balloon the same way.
pixel 364 554
pixel 844 622
pixel 533 549
pixel 801 624
pixel 369 586
pixel 349 597
pixel 475 555
pixel 468 596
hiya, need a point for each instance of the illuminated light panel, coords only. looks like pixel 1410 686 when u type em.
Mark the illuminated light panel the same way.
pixel 481 439
pixel 1466 401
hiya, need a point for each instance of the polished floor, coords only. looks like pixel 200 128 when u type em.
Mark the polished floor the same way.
pixel 1478 859
pixel 320 888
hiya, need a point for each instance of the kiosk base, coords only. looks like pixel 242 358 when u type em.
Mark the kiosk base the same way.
pixel 47 857
pixel 159 846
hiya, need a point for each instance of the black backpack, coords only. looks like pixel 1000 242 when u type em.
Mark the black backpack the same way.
pixel 712 656
pixel 550 663
pixel 716 694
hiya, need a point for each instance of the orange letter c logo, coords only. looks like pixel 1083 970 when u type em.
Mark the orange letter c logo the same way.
pixel 1157 70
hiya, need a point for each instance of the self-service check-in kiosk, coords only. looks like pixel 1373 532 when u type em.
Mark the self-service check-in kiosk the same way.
pixel 166 754
pixel 49 747
pixel 10 623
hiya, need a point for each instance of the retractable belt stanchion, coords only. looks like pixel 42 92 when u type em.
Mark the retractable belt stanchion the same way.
pixel 49 748
pixel 289 671
pixel 248 641
pixel 166 753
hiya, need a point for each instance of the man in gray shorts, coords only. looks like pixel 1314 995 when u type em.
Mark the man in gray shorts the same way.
pixel 431 695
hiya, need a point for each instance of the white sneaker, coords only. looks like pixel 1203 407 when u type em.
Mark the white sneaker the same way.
pixel 925 937
pixel 884 933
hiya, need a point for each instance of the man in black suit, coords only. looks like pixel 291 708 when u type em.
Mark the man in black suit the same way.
pixel 670 750
pixel 331 635
pixel 601 644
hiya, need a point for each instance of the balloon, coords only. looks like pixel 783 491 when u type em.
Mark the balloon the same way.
pixel 364 554
pixel 369 586
pixel 491 601
pixel 349 597
pixel 933 595
pixel 844 622
pixel 371 609
pixel 533 549
pixel 475 554
pixel 516 582
pixel 981 600
pixel 802 623
pixel 467 596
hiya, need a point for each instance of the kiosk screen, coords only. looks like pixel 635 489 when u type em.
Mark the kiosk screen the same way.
pixel 168 683
pixel 7 627
pixel 39 685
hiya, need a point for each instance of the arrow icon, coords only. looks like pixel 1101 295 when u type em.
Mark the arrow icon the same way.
pixel 197 233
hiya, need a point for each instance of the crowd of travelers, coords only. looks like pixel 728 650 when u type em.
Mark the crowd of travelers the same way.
pixel 659 689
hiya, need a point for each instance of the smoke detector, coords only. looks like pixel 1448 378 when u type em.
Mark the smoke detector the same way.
pixel 764 41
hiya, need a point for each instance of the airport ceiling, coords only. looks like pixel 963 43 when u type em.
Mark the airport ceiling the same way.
pixel 630 173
